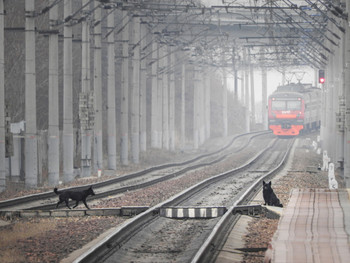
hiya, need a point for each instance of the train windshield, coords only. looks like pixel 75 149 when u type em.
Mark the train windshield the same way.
pixel 286 105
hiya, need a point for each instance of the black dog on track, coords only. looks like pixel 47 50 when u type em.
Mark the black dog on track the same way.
pixel 270 197
pixel 77 196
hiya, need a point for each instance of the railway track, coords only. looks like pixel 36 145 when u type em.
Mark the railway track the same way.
pixel 137 180
pixel 149 237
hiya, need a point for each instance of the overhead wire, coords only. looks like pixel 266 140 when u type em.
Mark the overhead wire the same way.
pixel 205 26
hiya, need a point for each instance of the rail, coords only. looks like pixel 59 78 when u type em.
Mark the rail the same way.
pixel 211 246
pixel 124 232
pixel 46 195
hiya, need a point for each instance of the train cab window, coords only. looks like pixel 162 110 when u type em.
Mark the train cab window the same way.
pixel 286 105
pixel 294 105
pixel 278 105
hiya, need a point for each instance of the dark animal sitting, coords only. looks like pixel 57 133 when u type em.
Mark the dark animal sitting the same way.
pixel 270 197
pixel 77 196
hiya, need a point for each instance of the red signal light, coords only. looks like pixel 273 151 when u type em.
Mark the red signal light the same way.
pixel 321 76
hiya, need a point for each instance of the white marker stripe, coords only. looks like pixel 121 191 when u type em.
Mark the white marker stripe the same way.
pixel 191 213
pixel 203 212
pixel 180 212
pixel 168 212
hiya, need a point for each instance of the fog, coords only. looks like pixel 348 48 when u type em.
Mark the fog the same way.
pixel 274 79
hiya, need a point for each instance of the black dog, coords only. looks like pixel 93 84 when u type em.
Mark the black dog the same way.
pixel 78 196
pixel 269 196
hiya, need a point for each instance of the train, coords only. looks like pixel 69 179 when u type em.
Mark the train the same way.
pixel 294 109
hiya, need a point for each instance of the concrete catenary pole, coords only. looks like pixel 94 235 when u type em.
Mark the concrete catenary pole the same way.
pixel 183 101
pixel 154 96
pixel 98 142
pixel 235 76
pixel 264 97
pixel 207 102
pixel 111 115
pixel 347 102
pixel 135 93
pixel 2 101
pixel 284 81
pixel 160 95
pixel 86 132
pixel 68 145
pixel 242 86
pixel 53 138
pixel 340 100
pixel 246 93
pixel 196 84
pixel 124 129
pixel 171 63
pixel 335 101
pixel 143 82
pixel 165 122
pixel 323 115
pixel 252 91
pixel 328 143
pixel 201 108
pixel 224 104
pixel 31 147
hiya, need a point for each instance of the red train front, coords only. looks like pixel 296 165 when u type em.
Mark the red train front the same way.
pixel 286 111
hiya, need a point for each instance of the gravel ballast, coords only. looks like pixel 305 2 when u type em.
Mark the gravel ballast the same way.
pixel 52 239
pixel 303 173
